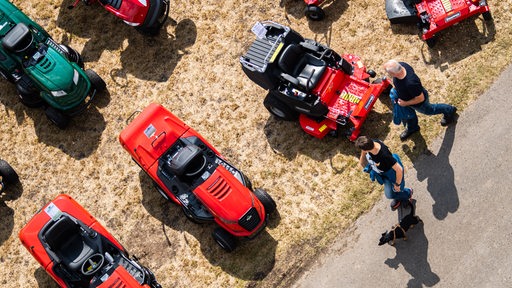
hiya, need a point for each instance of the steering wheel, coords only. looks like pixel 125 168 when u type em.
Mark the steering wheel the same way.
pixel 92 264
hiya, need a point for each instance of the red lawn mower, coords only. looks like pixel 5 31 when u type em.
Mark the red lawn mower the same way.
pixel 147 16
pixel 188 171
pixel 77 251
pixel 8 175
pixel 326 92
pixel 433 16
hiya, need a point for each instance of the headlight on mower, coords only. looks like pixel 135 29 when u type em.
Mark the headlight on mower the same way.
pixel 75 77
pixel 143 2
pixel 59 93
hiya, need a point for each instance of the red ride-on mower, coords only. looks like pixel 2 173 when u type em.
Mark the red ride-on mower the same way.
pixel 147 16
pixel 306 80
pixel 433 16
pixel 8 175
pixel 188 171
pixel 77 251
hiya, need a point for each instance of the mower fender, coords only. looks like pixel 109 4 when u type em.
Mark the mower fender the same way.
pixel 401 11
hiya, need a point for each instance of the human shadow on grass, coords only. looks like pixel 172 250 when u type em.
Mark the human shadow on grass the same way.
pixel 287 138
pixel 252 260
pixel 438 172
pixel 413 256
pixel 146 57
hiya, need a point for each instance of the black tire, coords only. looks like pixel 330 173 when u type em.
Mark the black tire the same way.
pixel 431 42
pixel 314 13
pixel 73 55
pixel 248 182
pixel 57 117
pixel 8 174
pixel 7 76
pixel 371 72
pixel 487 16
pixel 279 109
pixel 161 191
pixel 225 240
pixel 96 81
pixel 268 203
pixel 28 95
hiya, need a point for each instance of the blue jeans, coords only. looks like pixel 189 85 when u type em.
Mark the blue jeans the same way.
pixel 428 109
pixel 389 178
pixel 403 195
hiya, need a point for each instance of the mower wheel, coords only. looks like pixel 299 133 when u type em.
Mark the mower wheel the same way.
pixel 161 191
pixel 279 109
pixel 224 239
pixel 431 42
pixel 73 55
pixel 96 81
pixel 8 174
pixel 28 95
pixel 487 16
pixel 268 203
pixel 59 119
pixel 7 76
pixel 371 72
pixel 314 13
pixel 248 182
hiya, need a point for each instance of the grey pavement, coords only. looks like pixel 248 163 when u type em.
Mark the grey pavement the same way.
pixel 464 197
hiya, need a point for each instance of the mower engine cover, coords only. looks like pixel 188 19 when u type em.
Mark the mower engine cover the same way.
pixel 77 251
pixel 190 172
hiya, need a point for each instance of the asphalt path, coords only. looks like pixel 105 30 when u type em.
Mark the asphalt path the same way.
pixel 464 197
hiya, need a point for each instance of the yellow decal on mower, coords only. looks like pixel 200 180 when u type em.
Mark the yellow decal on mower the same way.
pixel 322 128
pixel 350 97
pixel 447 5
pixel 278 49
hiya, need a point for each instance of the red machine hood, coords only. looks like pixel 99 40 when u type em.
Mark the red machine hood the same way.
pixel 225 195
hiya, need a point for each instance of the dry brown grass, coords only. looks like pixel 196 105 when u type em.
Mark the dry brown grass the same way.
pixel 193 70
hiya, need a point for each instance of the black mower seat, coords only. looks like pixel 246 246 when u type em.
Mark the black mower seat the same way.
pixel 65 240
pixel 188 161
pixel 301 68
pixel 18 38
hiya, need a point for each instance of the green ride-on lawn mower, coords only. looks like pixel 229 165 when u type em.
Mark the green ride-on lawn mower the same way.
pixel 46 74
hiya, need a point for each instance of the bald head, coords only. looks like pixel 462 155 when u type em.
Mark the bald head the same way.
pixel 393 68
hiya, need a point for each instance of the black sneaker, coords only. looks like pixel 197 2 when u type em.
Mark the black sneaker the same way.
pixel 407 133
pixel 447 119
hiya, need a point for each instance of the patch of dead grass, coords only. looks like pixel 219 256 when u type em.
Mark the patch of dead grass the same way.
pixel 193 70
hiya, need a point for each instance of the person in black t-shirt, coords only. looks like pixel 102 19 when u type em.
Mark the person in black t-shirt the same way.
pixel 411 93
pixel 376 156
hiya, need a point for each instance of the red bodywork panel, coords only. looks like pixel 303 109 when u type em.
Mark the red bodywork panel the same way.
pixel 345 95
pixel 130 10
pixel 445 13
pixel 29 234
pixel 314 2
pixel 153 132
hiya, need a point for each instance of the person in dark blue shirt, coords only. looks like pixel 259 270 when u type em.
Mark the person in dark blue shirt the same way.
pixel 386 168
pixel 411 93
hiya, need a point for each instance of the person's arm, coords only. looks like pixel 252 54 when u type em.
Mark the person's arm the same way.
pixel 416 100
pixel 399 176
pixel 362 159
